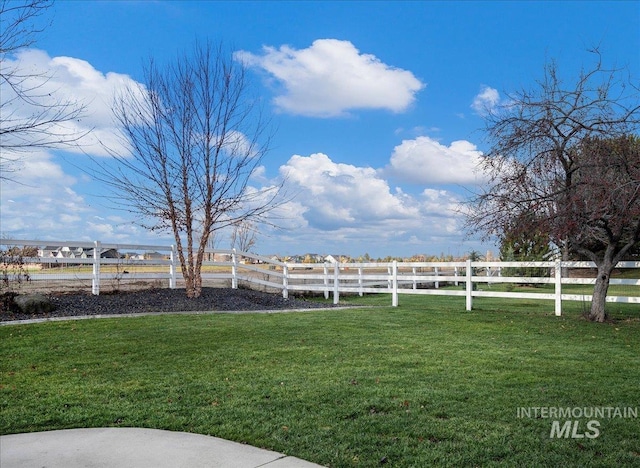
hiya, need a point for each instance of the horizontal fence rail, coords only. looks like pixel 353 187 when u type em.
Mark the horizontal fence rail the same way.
pixel 98 262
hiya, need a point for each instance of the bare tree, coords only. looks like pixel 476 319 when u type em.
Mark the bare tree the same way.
pixel 541 155
pixel 30 115
pixel 243 236
pixel 196 136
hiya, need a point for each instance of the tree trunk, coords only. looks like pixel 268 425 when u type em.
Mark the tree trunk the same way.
pixel 565 258
pixel 597 313
pixel 193 284
pixel 189 287
pixel 190 272
pixel 197 281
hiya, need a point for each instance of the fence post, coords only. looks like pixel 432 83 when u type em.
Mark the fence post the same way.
pixel 234 270
pixel 437 283
pixel 172 268
pixel 455 273
pixel 336 283
pixel 326 280
pixel 469 286
pixel 558 283
pixel 285 281
pixel 95 283
pixel 360 293
pixel 415 282
pixel 394 280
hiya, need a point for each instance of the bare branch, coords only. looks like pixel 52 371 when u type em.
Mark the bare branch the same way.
pixel 30 117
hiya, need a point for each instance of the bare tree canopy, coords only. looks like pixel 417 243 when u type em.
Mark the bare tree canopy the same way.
pixel 567 153
pixel 243 236
pixel 30 116
pixel 196 136
pixel 19 29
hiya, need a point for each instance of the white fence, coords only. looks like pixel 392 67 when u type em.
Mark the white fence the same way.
pixel 331 279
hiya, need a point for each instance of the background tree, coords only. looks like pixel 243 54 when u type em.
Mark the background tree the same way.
pixel 600 214
pixel 30 116
pixel 541 155
pixel 243 236
pixel 196 136
pixel 524 246
pixel 475 256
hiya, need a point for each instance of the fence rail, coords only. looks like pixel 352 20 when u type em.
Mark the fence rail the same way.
pixel 331 279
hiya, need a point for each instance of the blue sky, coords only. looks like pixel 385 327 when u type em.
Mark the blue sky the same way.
pixel 377 105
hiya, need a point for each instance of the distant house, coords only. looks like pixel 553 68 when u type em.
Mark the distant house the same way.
pixel 61 252
pixel 154 256
pixel 317 258
pixel 48 251
pixel 134 256
pixel 75 252
pixel 105 253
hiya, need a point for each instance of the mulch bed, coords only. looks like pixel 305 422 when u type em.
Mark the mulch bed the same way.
pixel 162 300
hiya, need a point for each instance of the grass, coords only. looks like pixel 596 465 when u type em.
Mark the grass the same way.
pixel 423 384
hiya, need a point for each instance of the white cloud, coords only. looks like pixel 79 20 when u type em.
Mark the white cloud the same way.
pixel 332 77
pixel 439 202
pixel 259 174
pixel 353 209
pixel 42 199
pixel 67 79
pixel 426 161
pixel 486 100
pixel 337 195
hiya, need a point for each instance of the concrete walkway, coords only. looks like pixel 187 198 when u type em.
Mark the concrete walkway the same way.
pixel 134 448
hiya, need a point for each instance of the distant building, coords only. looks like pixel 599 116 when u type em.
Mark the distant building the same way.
pixel 331 259
pixel 75 252
pixel 154 256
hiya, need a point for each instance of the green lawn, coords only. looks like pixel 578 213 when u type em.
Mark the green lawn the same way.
pixel 424 384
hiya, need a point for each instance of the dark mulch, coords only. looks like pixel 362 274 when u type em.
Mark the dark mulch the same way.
pixel 163 300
